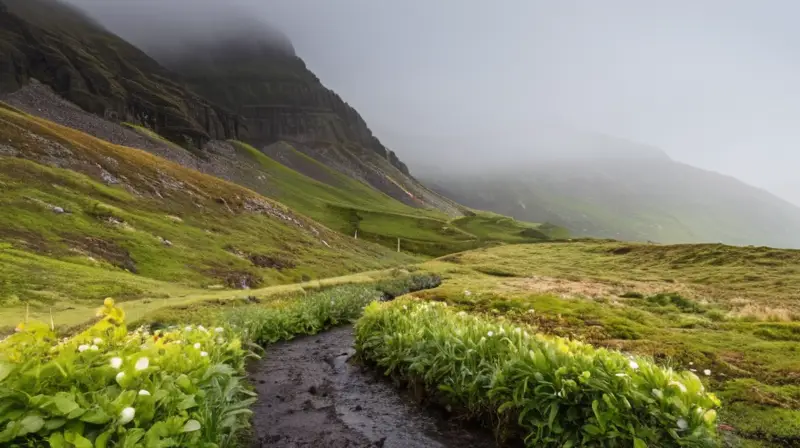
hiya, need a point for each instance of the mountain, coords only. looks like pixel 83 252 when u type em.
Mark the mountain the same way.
pixel 605 187
pixel 282 100
pixel 316 156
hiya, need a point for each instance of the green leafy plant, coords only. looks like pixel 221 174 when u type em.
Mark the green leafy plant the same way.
pixel 547 391
pixel 307 315
pixel 108 387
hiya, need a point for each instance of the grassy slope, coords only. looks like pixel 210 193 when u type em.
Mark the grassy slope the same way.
pixel 348 204
pixel 50 259
pixel 658 200
pixel 739 317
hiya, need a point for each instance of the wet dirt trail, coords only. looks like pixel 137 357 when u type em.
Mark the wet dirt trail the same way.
pixel 310 395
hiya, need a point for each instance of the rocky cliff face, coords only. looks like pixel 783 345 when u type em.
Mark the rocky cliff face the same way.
pixel 101 73
pixel 284 101
pixel 272 87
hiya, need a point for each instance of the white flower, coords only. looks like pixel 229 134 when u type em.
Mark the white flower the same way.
pixel 462 313
pixel 98 341
pixel 204 354
pixel 94 348
pixel 682 425
pixel 126 415
pixel 693 370
pixel 657 393
pixel 405 307
pixel 116 362
pixel 707 372
pixel 178 342
pixel 202 328
pixel 621 374
pixel 197 345
pixel 518 330
pixel 83 347
pixel 679 385
pixel 467 293
pixel 530 311
pixel 191 425
pixel 188 328
pixel 634 365
pixel 333 303
pixel 142 363
pixel 502 330
pixel 144 393
pixel 691 363
pixel 219 330
pixel 120 376
pixel 490 333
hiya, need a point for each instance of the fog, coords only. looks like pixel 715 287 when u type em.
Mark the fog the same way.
pixel 712 83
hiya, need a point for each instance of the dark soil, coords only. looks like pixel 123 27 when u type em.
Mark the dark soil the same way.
pixel 311 395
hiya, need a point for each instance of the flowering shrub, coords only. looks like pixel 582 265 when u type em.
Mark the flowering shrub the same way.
pixel 107 387
pixel 549 391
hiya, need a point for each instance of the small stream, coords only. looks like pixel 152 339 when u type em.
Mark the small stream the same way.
pixel 309 395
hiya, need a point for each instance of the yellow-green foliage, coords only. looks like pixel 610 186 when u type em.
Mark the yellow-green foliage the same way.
pixel 552 392
pixel 107 387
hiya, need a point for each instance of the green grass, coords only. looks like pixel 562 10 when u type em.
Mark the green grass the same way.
pixel 346 205
pixel 111 239
pixel 493 227
pixel 731 310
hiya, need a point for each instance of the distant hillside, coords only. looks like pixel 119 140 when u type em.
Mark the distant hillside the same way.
pixel 627 194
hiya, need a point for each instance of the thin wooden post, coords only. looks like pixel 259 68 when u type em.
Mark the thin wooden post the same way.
pixel 398 244
pixel 52 322
pixel 356 236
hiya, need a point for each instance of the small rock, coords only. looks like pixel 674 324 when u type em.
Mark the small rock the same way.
pixel 358 408
pixel 312 390
pixel 58 210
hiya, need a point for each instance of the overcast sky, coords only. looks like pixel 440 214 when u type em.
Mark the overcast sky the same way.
pixel 715 83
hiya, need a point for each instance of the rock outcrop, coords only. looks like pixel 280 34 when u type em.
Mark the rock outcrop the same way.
pixel 103 74
pixel 274 90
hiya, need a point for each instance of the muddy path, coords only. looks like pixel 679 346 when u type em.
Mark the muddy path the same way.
pixel 310 395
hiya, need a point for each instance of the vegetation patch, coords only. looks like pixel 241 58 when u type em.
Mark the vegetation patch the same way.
pixel 108 387
pixel 692 307
pixel 547 391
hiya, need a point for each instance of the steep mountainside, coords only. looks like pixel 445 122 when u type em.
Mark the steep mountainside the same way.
pixel 57 45
pixel 284 101
pixel 627 198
